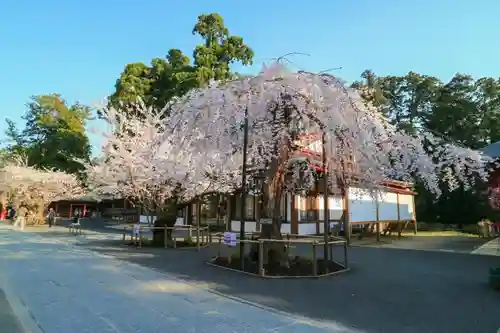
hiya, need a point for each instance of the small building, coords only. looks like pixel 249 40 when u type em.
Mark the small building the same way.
pixel 90 206
pixel 304 214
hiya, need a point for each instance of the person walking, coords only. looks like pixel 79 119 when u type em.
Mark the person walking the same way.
pixel 51 217
pixel 21 217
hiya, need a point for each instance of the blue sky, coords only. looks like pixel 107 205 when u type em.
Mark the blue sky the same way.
pixel 79 48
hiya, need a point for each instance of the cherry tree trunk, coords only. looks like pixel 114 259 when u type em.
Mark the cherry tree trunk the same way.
pixel 36 210
pixel 166 216
pixel 275 253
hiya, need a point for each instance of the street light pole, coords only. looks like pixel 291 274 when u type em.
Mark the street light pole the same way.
pixel 326 221
pixel 243 192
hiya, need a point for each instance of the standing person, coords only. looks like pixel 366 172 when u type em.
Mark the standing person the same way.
pixel 21 216
pixel 51 217
pixel 136 234
pixel 12 213
pixel 76 217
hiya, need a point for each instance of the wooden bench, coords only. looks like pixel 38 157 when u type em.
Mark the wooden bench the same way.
pixel 75 228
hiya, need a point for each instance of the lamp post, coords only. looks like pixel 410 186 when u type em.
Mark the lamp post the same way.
pixel 326 221
pixel 243 192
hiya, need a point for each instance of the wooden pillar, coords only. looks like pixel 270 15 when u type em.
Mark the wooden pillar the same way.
pixel 198 222
pixel 399 215
pixel 258 207
pixel 189 214
pixel 218 210
pixel 347 220
pixel 3 215
pixel 316 206
pixel 228 212
pixel 294 219
pixel 414 216
pixel 377 211
pixel 399 209
pixel 84 209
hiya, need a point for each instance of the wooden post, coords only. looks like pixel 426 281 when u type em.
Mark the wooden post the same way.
pixel 377 208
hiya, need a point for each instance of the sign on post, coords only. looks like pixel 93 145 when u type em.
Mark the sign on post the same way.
pixel 230 239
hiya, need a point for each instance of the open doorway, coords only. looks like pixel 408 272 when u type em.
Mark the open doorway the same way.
pixel 80 209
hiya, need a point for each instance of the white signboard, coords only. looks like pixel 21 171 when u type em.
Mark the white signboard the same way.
pixel 136 230
pixel 230 239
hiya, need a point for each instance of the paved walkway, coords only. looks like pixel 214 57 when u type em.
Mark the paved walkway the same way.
pixel 8 320
pixel 387 291
pixel 70 289
pixel 491 248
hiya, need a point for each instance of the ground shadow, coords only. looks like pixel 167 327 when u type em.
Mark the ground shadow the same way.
pixel 388 290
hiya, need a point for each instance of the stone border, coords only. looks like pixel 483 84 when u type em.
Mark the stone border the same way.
pixel 168 248
pixel 211 263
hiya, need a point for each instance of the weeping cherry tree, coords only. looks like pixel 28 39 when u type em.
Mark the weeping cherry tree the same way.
pixel 152 160
pixel 36 188
pixel 280 104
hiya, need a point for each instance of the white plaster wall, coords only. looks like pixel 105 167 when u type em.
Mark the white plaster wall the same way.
pixel 335 206
pixel 406 208
pixel 310 228
pixel 362 206
pixel 388 207
pixel 251 226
